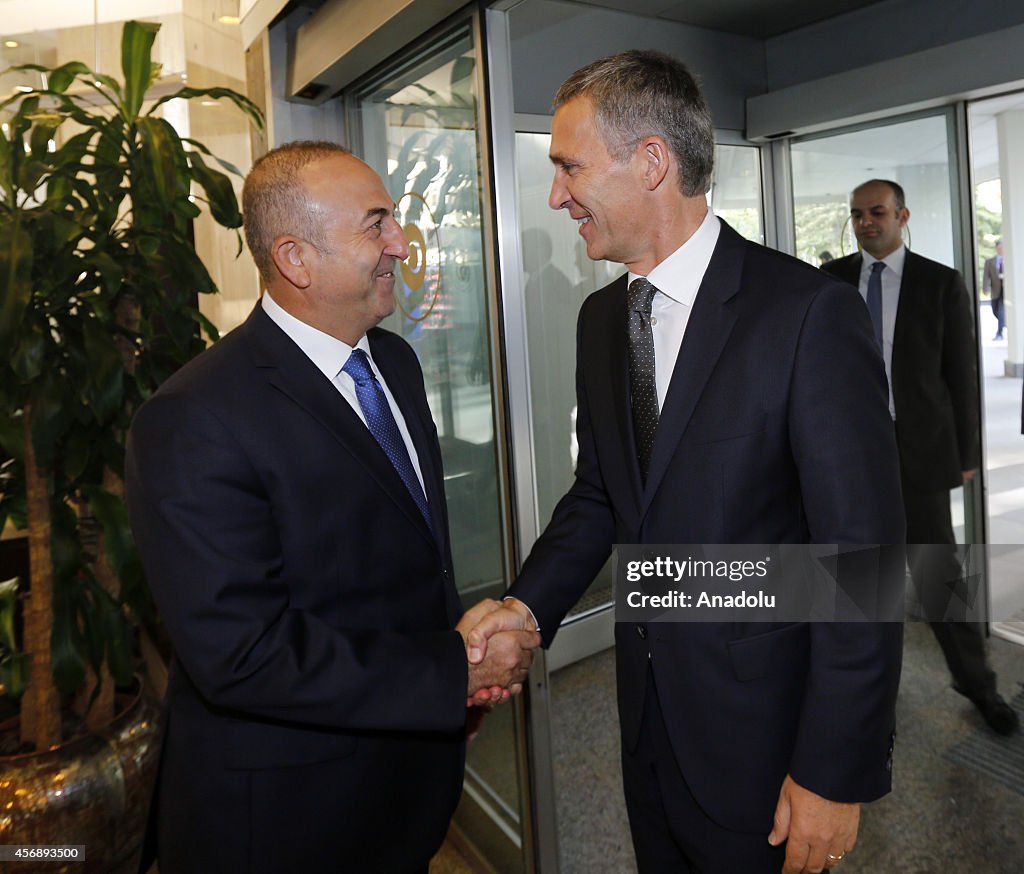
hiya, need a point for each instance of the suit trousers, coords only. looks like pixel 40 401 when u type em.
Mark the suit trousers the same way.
pixel 999 311
pixel 671 833
pixel 935 571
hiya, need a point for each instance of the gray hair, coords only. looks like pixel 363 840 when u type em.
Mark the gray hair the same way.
pixel 274 201
pixel 638 94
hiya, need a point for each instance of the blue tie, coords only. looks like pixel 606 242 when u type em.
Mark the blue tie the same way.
pixel 875 299
pixel 383 426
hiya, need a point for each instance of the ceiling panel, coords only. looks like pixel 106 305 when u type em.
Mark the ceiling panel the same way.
pixel 755 18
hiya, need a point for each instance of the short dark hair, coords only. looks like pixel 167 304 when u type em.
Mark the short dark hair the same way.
pixel 637 94
pixel 275 203
pixel 897 190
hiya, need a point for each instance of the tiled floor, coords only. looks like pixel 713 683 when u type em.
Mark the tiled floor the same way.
pixel 941 816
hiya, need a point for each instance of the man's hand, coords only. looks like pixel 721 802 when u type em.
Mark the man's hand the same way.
pixel 968 475
pixel 510 614
pixel 819 832
pixel 496 671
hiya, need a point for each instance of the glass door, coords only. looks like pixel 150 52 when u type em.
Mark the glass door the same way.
pixel 919 153
pixel 996 128
pixel 418 123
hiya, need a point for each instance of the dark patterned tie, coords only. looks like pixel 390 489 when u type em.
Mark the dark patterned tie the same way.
pixel 875 299
pixel 643 388
pixel 381 422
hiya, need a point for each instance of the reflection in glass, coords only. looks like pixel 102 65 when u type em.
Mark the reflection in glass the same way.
pixel 418 128
pixel 826 169
pixel 422 122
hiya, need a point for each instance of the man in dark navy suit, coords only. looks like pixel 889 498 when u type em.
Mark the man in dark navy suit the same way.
pixel 727 394
pixel 924 324
pixel 286 493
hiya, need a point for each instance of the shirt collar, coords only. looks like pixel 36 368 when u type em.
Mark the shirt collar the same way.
pixel 894 260
pixel 680 274
pixel 328 353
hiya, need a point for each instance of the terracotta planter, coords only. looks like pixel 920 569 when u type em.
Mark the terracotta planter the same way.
pixel 92 790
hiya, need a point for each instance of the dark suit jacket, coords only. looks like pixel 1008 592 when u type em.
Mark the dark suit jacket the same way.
pixel 934 372
pixel 774 430
pixel 992 282
pixel 316 710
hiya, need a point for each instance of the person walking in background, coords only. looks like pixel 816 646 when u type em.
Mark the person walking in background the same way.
pixel 923 323
pixel 992 282
pixel 285 491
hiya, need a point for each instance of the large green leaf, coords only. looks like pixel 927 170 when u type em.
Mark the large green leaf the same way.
pixel 104 373
pixel 199 147
pixel 68 647
pixel 29 354
pixel 14 674
pixel 77 453
pixel 51 416
pixel 118 639
pixel 63 76
pixel 12 435
pixel 8 603
pixel 164 164
pixel 219 192
pixel 137 64
pixel 15 278
pixel 240 100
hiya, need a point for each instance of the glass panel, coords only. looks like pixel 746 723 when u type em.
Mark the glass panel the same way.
pixel 418 127
pixel 996 135
pixel 559 275
pixel 826 169
pixel 419 132
pixel 735 193
pixel 916 155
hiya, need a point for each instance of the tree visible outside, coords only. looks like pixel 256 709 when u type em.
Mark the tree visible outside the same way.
pixel 819 228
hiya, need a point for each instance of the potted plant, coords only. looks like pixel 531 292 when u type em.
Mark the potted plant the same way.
pixel 98 285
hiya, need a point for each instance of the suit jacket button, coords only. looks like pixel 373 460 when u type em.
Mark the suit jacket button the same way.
pixel 641 630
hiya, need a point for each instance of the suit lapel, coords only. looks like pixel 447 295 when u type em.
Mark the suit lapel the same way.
pixel 906 303
pixel 707 331
pixel 848 269
pixel 290 371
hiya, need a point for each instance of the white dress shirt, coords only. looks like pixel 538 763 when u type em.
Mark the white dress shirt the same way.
pixel 330 354
pixel 892 276
pixel 677 279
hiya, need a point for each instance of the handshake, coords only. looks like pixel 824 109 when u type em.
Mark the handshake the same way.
pixel 500 638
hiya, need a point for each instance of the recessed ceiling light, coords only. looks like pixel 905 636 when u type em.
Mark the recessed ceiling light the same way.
pixel 229 19
pixel 11 43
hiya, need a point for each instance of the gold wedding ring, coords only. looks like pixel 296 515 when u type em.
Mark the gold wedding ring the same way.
pixel 835 859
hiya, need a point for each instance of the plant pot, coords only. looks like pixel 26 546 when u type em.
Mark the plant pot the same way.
pixel 92 790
